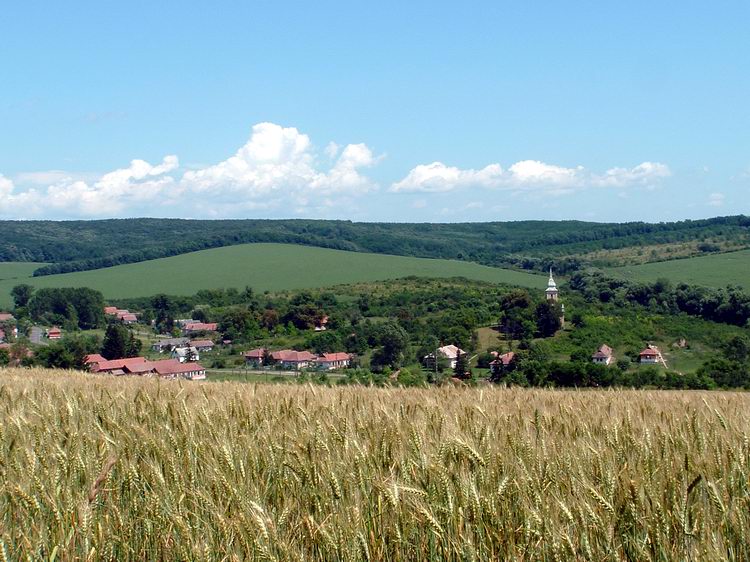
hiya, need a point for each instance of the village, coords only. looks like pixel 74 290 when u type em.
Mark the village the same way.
pixel 201 338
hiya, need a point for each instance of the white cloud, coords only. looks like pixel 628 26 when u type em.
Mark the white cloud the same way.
pixel 526 175
pixel 716 199
pixel 111 193
pixel 276 168
pixel 280 162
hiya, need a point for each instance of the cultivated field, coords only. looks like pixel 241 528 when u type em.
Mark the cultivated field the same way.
pixel 17 270
pixel 114 469
pixel 718 270
pixel 265 267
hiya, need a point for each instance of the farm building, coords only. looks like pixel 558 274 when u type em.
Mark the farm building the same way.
pixel 603 356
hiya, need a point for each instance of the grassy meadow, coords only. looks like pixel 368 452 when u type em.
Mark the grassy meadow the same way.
pixel 264 267
pixel 100 468
pixel 717 270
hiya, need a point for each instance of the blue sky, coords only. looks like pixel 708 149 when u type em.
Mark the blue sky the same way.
pixel 419 111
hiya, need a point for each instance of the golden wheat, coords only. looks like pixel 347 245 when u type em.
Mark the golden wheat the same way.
pixel 97 468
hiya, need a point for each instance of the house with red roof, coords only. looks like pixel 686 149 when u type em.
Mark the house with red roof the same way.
pixel 289 359
pixel 650 356
pixel 330 361
pixel 110 310
pixel 54 333
pixel 254 357
pixel 603 356
pixel 502 363
pixel 165 368
pixel 173 369
pixel 202 345
pixel 195 327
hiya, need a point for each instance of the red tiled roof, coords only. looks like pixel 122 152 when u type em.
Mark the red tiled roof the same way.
pixel 255 353
pixel 289 356
pixel 603 352
pixel 505 359
pixel 94 358
pixel 648 352
pixel 168 367
pixel 6 316
pixel 201 327
pixel 110 310
pixel 332 357
pixel 129 364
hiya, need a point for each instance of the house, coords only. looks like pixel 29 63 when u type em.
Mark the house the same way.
pixel 502 363
pixel 330 361
pixel 54 333
pixel 650 355
pixel 93 358
pixel 195 327
pixel 450 352
pixel 184 353
pixel 125 366
pixel 165 368
pixel 603 356
pixel 110 310
pixel 7 317
pixel 202 345
pixel 126 317
pixel 168 344
pixel 289 359
pixel 173 369
pixel 254 357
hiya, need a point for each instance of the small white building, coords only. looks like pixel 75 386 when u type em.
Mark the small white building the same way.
pixel 449 352
pixel 185 353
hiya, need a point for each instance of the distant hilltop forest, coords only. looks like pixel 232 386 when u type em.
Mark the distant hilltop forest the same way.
pixel 67 246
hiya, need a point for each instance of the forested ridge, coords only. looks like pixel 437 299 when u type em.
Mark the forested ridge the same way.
pixel 83 245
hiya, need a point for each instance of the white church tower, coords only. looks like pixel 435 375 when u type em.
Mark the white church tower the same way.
pixel 551 292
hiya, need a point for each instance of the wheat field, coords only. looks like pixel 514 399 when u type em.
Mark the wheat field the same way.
pixel 97 468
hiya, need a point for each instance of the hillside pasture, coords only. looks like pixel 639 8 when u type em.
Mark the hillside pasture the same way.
pixel 18 271
pixel 717 270
pixel 264 267
pixel 125 469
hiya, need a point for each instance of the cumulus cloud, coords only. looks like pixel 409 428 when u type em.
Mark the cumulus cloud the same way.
pixel 276 168
pixel 716 199
pixel 526 175
pixel 111 193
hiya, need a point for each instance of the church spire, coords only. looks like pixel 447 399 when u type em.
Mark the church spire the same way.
pixel 551 291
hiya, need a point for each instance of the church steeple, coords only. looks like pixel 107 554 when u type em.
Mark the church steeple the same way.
pixel 551 292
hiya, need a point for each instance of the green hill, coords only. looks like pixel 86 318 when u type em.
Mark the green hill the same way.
pixel 718 270
pixel 263 267
pixel 72 246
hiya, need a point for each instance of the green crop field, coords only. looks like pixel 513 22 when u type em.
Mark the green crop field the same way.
pixel 264 267
pixel 718 270
pixel 17 270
